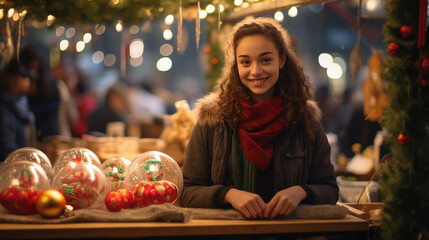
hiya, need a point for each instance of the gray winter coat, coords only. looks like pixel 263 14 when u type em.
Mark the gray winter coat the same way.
pixel 297 160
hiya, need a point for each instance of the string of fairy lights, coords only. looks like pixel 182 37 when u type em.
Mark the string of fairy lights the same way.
pixel 77 38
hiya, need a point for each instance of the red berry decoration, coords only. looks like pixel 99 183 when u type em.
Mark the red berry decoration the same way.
pixel 403 139
pixel 128 197
pixel 406 31
pixel 393 48
pixel 114 201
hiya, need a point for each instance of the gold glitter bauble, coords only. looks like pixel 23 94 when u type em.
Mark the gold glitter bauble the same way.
pixel 50 203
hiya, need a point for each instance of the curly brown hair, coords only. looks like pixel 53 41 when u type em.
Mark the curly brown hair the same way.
pixel 293 85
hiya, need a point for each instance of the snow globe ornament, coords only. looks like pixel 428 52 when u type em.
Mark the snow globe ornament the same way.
pixel 83 185
pixel 77 155
pixel 33 155
pixel 20 185
pixel 115 169
pixel 154 178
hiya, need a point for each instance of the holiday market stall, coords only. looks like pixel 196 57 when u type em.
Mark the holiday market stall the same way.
pixel 127 183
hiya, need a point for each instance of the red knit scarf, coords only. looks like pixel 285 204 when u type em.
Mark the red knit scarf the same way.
pixel 259 124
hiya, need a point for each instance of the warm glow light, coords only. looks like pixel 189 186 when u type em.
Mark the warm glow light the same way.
pixel 279 16
pixel 341 62
pixel 245 5
pixel 166 49
pixel 1 13
pixel 10 12
pixel 334 71
pixel 135 62
pixel 293 12
pixel 238 2
pixel 70 32
pixel 87 37
pixel 99 29
pixel 203 14
pixel 64 44
pixel 50 20
pixel 169 19
pixel 164 64
pixel 109 60
pixel 134 29
pixel 98 57
pixel 23 13
pixel 168 34
pixel 136 48
pixel 210 8
pixel 59 31
pixel 372 5
pixel 119 26
pixel 222 8
pixel 80 46
pixel 325 59
pixel 15 16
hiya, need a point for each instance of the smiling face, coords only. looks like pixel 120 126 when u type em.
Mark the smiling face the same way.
pixel 258 64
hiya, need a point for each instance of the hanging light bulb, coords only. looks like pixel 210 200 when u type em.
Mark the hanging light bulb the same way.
pixel 293 12
pixel 119 26
pixel 50 20
pixel 10 12
pixel 169 19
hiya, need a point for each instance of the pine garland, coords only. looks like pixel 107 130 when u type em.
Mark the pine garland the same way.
pixel 404 180
pixel 75 12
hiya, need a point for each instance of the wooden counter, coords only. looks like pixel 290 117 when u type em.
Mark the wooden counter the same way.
pixel 352 226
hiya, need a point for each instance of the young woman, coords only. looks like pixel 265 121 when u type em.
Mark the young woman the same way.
pixel 258 145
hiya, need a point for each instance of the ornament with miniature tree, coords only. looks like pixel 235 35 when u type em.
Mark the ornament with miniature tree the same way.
pixel 33 155
pixel 82 184
pixel 20 185
pixel 76 155
pixel 115 169
pixel 155 178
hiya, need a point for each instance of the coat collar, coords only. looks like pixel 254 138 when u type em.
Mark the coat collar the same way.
pixel 208 111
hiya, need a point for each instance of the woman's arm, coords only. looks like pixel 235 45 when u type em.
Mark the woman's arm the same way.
pixel 198 188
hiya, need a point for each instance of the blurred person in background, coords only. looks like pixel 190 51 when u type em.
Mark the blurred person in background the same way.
pixel 44 95
pixel 115 108
pixel 17 121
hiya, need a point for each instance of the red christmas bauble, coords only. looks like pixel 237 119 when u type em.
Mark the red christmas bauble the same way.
pixel 406 31
pixel 403 139
pixel 128 197
pixel 425 65
pixel 393 48
pixel 155 192
pixel 114 201
pixel 424 83
pixel 19 201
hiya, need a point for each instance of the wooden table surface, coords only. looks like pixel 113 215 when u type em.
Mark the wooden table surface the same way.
pixel 195 227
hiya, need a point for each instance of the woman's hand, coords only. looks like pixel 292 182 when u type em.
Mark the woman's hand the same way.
pixel 285 201
pixel 250 204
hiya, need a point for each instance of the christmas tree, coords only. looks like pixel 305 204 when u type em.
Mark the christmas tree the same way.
pixel 404 180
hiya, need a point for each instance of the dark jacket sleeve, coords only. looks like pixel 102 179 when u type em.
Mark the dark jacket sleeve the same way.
pixel 198 187
pixel 321 187
pixel 7 133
